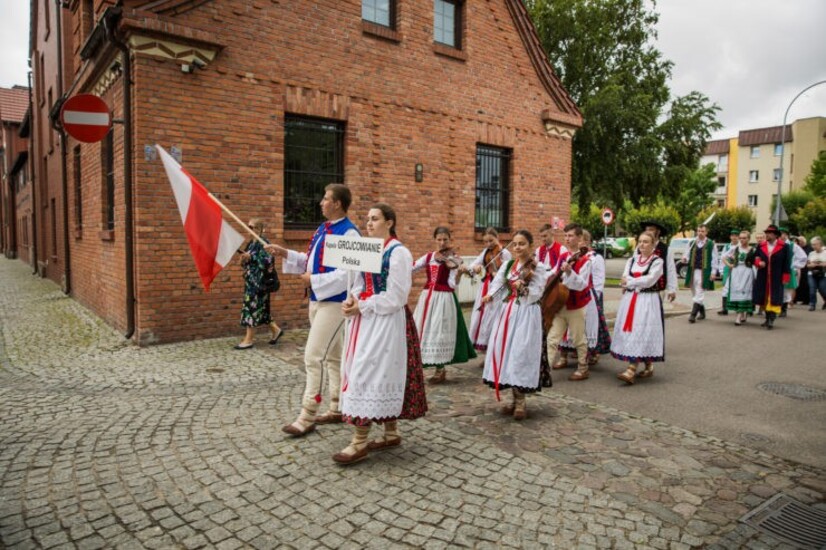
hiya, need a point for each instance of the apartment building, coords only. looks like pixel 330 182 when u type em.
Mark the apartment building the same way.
pixel 748 166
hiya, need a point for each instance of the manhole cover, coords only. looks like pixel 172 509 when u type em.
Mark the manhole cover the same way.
pixel 795 391
pixel 789 520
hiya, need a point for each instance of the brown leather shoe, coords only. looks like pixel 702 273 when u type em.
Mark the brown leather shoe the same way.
pixel 647 373
pixel 330 417
pixel 297 432
pixel 627 376
pixel 579 375
pixel 346 459
pixel 438 377
pixel 384 443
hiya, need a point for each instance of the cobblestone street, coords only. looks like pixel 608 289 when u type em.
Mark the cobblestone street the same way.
pixel 107 445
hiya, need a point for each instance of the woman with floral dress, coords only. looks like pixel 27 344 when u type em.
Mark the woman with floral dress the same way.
pixel 255 311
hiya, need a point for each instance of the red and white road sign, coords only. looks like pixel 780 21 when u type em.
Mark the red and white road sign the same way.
pixel 607 216
pixel 86 118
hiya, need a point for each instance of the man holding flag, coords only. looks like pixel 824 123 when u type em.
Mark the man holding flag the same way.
pixel 328 289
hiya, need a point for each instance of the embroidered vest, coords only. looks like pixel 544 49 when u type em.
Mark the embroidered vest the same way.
pixel 316 261
pixel 376 283
pixel 438 275
pixel 551 254
pixel 656 286
pixel 662 252
pixel 578 299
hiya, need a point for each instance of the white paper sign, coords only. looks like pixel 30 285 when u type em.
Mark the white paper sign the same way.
pixel 353 253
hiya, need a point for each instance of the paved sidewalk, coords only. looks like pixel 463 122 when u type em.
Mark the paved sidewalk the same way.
pixel 105 445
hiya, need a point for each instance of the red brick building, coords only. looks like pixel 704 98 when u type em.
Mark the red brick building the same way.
pixel 448 110
pixel 15 191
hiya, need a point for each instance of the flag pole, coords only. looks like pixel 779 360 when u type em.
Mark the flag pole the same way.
pixel 229 212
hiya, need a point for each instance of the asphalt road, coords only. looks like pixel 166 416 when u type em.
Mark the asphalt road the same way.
pixel 710 383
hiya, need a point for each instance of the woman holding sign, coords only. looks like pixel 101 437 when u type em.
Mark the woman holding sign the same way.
pixel 442 328
pixel 382 378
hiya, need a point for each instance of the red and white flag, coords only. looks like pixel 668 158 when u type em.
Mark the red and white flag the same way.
pixel 212 240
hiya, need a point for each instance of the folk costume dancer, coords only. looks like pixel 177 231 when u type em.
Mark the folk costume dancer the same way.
pixel 725 270
pixel 596 328
pixel 486 265
pixel 638 329
pixel 549 254
pixel 382 378
pixel 797 261
pixel 773 271
pixel 701 259
pixel 550 251
pixel 439 320
pixel 740 285
pixel 513 358
pixel 576 277
pixel 327 289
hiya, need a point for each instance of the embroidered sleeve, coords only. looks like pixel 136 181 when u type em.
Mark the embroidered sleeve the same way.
pixel 499 280
pixel 480 260
pixel 598 272
pixel 399 282
pixel 295 263
pixel 420 263
pixel 578 281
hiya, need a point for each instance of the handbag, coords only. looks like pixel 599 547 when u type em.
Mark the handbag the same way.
pixel 271 282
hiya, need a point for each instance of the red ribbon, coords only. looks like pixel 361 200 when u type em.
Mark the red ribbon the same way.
pixel 497 364
pixel 629 319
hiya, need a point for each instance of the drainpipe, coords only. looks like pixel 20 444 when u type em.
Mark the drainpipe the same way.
pixel 127 169
pixel 33 182
pixel 64 184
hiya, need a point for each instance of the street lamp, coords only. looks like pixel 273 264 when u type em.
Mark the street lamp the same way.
pixel 779 207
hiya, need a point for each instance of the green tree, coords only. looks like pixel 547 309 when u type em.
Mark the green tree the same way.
pixel 726 220
pixel 667 216
pixel 695 196
pixel 604 54
pixel 793 202
pixel 810 220
pixel 590 218
pixel 816 180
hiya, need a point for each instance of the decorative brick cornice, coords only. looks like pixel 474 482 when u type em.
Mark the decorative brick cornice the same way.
pixel 568 114
pixel 159 36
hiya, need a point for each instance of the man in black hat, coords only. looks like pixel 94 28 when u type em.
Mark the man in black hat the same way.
pixel 773 271
pixel 668 281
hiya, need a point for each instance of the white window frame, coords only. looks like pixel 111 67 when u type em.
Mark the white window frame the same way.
pixel 753 200
pixel 754 176
pixel 755 152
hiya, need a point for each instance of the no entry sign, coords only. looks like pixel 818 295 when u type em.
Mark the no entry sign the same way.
pixel 86 118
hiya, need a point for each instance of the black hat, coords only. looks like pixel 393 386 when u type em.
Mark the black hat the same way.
pixel 658 225
pixel 772 229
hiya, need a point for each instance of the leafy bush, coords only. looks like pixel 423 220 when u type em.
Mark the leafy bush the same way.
pixel 727 219
pixel 663 214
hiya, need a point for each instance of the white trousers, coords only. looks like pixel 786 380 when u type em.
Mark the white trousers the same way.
pixel 323 354
pixel 698 293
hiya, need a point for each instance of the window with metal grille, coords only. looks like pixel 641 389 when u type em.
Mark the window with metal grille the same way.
pixel 492 187
pixel 380 12
pixel 313 158
pixel 447 23
pixel 107 156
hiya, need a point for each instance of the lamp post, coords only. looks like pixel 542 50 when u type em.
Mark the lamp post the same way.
pixel 779 207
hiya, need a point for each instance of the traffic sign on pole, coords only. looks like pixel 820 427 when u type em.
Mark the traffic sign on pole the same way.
pixel 86 118
pixel 607 216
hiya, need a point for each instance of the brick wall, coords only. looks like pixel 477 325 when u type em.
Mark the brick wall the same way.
pixel 402 103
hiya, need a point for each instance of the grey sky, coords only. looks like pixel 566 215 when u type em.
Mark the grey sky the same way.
pixel 751 57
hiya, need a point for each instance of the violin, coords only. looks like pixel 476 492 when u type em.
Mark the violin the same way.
pixel 449 257
pixel 492 259
pixel 526 274
pixel 556 295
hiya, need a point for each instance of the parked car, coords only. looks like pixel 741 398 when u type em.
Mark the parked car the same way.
pixel 619 247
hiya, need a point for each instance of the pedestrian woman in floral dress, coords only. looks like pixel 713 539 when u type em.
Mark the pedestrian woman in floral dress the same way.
pixel 639 329
pixel 255 311
pixel 382 378
pixel 442 330
pixel 515 351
